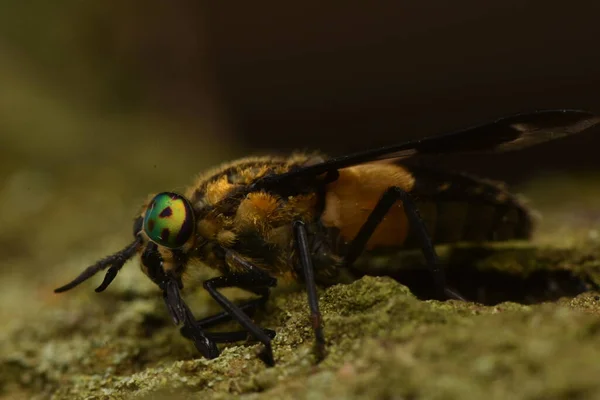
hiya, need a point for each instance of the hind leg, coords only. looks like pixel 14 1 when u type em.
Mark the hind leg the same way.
pixel 389 198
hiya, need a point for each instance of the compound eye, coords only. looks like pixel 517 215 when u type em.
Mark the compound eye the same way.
pixel 169 220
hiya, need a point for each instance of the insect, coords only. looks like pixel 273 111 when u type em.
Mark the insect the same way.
pixel 306 217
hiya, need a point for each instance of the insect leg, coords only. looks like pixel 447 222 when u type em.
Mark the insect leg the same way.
pixel 227 337
pixel 252 279
pixel 180 312
pixel 301 237
pixel 209 322
pixel 248 307
pixel 389 198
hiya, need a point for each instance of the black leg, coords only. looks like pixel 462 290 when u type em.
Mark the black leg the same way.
pixel 253 278
pixel 311 287
pixel 248 307
pixel 181 313
pixel 389 198
pixel 222 317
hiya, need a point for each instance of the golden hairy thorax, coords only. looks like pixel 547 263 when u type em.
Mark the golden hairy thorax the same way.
pixel 257 225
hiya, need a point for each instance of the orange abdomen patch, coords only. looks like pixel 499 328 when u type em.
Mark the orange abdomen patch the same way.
pixel 351 198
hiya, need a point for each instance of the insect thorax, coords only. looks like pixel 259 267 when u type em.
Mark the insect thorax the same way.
pixel 256 224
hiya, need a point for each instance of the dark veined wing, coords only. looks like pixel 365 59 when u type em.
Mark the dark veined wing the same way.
pixel 504 134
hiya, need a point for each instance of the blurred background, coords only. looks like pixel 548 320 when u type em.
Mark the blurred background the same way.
pixel 102 103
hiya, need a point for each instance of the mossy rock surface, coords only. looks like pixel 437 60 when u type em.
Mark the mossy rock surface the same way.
pixel 382 342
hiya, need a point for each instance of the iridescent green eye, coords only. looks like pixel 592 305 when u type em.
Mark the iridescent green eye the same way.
pixel 169 220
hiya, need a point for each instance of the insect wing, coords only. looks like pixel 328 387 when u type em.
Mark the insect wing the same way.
pixel 505 134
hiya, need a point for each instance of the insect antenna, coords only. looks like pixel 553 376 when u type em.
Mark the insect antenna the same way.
pixel 115 262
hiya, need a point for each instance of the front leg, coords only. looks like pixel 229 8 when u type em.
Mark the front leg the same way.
pixel 178 309
pixel 181 313
pixel 253 279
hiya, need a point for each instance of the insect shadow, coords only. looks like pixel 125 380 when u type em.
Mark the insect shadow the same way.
pixel 489 274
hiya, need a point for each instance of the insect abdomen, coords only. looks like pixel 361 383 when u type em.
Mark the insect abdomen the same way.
pixel 455 207
pixel 454 221
pixel 461 208
pixel 352 197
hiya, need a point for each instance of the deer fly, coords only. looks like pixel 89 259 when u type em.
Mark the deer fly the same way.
pixel 307 217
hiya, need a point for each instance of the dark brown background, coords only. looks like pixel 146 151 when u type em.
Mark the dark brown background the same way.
pixel 347 75
pixel 274 76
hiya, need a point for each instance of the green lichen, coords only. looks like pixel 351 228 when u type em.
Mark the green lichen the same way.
pixel 382 342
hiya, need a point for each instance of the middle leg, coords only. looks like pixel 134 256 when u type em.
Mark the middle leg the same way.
pixel 301 238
